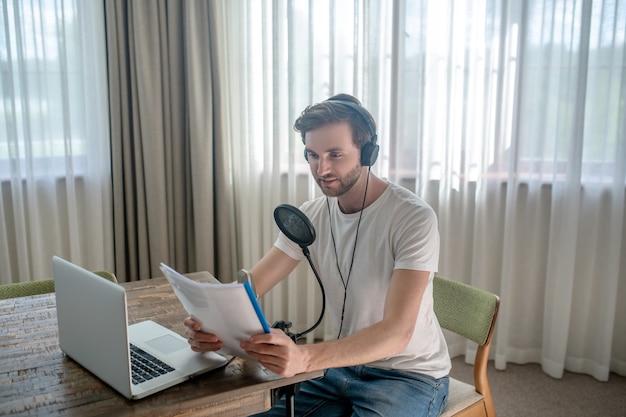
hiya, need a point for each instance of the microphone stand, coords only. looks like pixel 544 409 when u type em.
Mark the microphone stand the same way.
pixel 287 218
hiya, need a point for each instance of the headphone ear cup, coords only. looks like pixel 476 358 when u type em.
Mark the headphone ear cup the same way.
pixel 369 154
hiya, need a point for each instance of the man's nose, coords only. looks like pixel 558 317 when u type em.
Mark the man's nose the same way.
pixel 323 166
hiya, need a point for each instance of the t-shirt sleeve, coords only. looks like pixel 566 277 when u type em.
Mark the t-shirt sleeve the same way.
pixel 416 244
pixel 286 245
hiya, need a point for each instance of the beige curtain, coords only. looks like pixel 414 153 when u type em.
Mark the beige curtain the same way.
pixel 163 137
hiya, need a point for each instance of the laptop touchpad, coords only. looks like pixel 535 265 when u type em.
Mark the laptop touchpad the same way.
pixel 166 344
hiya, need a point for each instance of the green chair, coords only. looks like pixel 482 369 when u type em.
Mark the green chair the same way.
pixel 44 286
pixel 471 313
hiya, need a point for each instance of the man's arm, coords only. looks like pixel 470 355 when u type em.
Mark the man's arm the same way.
pixel 388 337
pixel 271 269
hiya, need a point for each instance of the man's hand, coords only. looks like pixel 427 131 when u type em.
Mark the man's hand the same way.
pixel 199 340
pixel 277 352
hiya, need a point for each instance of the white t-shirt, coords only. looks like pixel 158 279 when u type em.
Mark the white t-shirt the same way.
pixel 398 231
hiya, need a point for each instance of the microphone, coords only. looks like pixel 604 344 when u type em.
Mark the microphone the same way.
pixel 297 227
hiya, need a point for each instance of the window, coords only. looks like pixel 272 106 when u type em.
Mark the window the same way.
pixel 49 87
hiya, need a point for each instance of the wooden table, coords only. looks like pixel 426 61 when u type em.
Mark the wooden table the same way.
pixel 37 379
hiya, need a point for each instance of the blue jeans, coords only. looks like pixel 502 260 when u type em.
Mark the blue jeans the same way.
pixel 365 391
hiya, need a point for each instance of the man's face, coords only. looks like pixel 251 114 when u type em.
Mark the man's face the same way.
pixel 333 158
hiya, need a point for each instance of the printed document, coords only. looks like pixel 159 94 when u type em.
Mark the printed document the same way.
pixel 230 311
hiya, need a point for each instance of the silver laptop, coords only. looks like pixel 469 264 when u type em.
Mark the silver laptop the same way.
pixel 94 331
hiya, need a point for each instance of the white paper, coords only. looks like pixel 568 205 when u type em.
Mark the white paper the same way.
pixel 226 310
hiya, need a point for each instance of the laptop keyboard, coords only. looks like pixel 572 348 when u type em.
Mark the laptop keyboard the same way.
pixel 145 366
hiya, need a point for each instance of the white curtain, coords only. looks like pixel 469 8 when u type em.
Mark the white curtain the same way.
pixel 54 138
pixel 508 117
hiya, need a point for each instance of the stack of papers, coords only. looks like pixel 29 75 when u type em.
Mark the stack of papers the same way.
pixel 230 311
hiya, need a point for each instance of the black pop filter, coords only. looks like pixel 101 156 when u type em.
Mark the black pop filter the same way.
pixel 294 224
pixel 299 229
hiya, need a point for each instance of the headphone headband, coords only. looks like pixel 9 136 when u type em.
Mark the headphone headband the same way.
pixel 362 113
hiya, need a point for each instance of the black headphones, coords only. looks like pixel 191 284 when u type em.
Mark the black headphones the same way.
pixel 369 151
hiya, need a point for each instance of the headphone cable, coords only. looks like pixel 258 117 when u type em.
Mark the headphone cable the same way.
pixel 347 281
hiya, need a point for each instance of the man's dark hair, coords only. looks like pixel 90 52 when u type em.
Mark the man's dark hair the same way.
pixel 331 111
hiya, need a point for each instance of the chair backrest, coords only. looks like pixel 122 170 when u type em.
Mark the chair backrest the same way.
pixel 23 289
pixel 472 313
pixel 107 275
pixel 463 309
pixel 43 286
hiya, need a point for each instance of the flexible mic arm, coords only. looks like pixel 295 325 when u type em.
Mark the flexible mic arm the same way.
pixel 305 250
pixel 285 325
pixel 298 228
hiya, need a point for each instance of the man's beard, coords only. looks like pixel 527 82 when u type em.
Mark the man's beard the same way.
pixel 345 183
